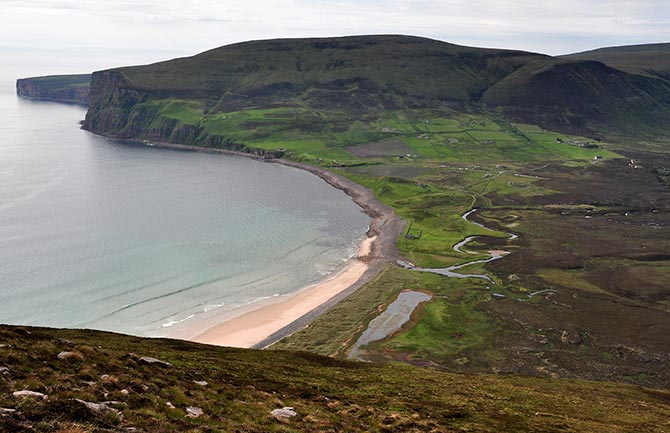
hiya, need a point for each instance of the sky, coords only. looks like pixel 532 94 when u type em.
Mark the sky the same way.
pixel 184 27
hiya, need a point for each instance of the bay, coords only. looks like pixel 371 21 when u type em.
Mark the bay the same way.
pixel 103 234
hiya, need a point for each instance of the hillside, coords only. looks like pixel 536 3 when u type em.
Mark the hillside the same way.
pixel 583 95
pixel 332 83
pixel 94 382
pixel 651 59
pixel 60 88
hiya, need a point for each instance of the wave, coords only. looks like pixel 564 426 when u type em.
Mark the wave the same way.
pixel 175 322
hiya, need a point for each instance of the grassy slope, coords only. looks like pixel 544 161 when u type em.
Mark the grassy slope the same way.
pixel 584 95
pixel 244 386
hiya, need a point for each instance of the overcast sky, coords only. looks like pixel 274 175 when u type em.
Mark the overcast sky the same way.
pixel 191 26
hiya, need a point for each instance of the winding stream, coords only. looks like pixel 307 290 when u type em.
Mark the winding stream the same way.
pixel 450 271
pixel 400 311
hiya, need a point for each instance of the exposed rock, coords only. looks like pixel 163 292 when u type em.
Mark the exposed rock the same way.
pixel 27 393
pixel 283 413
pixel 193 412
pixel 571 337
pixel 153 361
pixel 66 342
pixel 200 382
pixel 101 409
pixel 538 338
pixel 70 355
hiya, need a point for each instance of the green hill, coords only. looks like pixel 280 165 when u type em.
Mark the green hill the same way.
pixel 102 382
pixel 331 83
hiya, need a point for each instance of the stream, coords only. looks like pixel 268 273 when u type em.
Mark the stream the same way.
pixel 400 311
pixel 450 271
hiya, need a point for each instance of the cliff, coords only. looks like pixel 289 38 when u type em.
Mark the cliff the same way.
pixel 60 88
pixel 118 110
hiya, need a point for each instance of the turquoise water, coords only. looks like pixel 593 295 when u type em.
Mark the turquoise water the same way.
pixel 102 234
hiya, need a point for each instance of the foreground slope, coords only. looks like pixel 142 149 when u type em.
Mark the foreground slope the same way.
pixel 237 389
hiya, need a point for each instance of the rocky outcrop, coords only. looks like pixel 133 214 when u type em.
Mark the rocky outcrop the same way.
pixel 72 89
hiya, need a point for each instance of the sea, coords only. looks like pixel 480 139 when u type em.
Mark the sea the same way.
pixel 105 234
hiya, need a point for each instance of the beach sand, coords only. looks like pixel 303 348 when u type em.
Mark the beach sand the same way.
pixel 252 327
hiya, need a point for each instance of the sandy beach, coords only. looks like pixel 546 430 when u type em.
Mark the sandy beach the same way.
pixel 252 327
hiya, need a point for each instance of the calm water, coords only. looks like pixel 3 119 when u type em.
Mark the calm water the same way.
pixel 101 234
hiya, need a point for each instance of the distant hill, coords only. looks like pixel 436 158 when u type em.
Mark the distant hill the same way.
pixel 61 88
pixel 358 72
pixel 651 59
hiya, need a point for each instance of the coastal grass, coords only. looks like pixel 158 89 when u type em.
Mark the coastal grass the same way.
pixel 321 137
pixel 432 211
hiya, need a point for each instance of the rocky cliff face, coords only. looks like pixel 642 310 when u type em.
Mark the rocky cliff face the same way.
pixel 117 110
pixel 61 88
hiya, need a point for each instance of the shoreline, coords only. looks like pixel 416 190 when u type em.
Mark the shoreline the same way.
pixel 264 323
pixel 259 321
